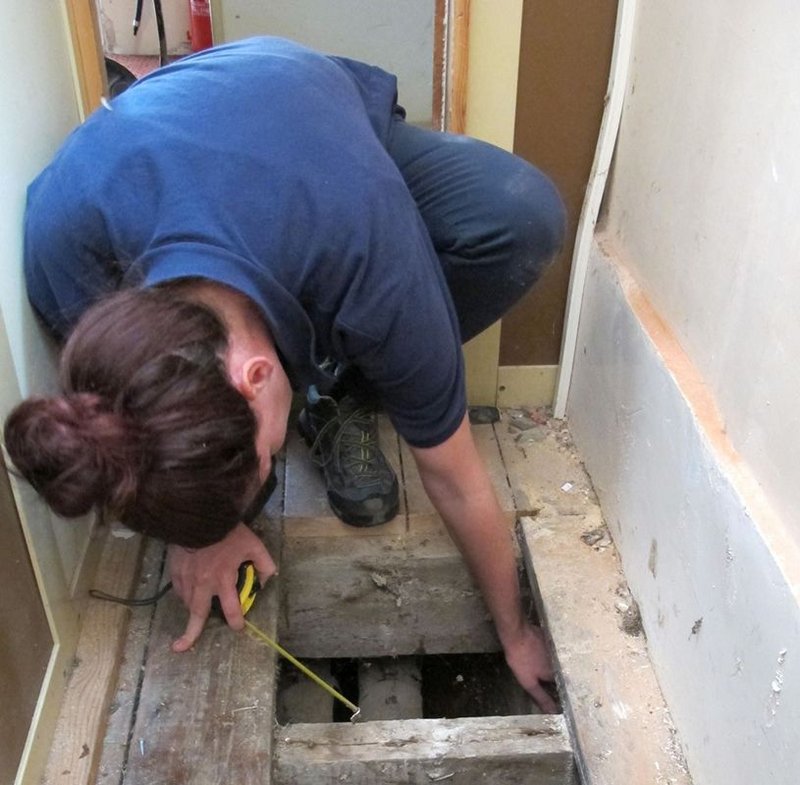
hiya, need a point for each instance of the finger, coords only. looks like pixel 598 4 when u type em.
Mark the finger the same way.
pixel 194 627
pixel 264 565
pixel 231 608
pixel 543 699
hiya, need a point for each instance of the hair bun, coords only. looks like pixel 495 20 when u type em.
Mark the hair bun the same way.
pixel 75 451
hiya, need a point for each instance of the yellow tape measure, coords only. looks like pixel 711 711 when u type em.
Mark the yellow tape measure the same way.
pixel 248 586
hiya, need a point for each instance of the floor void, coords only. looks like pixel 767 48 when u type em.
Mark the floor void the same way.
pixel 389 594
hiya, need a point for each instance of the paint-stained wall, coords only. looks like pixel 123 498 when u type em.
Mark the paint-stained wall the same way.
pixel 705 201
pixel 702 213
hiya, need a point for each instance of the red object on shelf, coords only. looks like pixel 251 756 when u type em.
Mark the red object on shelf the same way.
pixel 200 24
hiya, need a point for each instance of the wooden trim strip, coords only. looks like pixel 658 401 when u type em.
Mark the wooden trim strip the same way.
pixel 88 53
pixel 458 67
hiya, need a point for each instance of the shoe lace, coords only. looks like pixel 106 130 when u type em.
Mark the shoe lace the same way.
pixel 353 445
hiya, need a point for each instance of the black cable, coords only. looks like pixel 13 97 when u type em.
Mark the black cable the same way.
pixel 137 17
pixel 162 36
pixel 134 602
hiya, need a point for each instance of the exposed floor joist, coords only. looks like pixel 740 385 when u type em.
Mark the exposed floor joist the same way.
pixel 467 751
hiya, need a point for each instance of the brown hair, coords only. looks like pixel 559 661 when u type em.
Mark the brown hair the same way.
pixel 149 429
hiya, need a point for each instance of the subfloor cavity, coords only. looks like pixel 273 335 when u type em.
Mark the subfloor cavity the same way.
pixel 435 686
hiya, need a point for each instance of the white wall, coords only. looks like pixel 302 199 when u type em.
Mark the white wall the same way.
pixel 684 401
pixel 40 110
pixel 396 35
pixel 38 96
pixel 706 198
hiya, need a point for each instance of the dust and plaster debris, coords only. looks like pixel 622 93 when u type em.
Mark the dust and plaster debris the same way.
pixel 598 538
pixel 776 687
pixel 382 582
pixel 628 609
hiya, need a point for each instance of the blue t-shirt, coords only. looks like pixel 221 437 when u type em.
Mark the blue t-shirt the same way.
pixel 262 165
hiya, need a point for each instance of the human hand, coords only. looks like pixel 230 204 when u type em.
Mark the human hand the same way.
pixel 199 574
pixel 529 660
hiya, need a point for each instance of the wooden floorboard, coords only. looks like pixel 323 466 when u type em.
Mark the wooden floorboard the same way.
pixel 468 751
pixel 208 716
pixel 620 724
pixel 75 754
pixel 122 711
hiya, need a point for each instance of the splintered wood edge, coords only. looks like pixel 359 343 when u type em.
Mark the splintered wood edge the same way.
pixel 75 752
pixel 621 726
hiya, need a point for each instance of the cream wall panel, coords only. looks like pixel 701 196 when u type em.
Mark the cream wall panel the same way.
pixel 704 201
pixel 494 40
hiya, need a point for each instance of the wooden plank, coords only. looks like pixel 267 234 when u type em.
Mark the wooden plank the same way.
pixel 622 728
pixel 422 516
pixel 403 592
pixel 468 751
pixel 617 715
pixel 544 471
pixel 75 754
pixel 374 597
pixel 207 715
pixel 121 712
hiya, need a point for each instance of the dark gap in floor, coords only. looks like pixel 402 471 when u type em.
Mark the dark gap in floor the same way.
pixel 452 686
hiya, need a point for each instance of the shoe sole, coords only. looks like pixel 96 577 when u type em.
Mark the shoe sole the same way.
pixel 385 512
pixel 360 521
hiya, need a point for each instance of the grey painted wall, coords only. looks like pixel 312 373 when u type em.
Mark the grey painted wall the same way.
pixel 396 35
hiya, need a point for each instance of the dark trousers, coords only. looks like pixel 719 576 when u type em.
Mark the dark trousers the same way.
pixel 495 220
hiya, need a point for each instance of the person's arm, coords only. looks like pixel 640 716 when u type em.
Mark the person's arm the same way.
pixel 199 574
pixel 460 488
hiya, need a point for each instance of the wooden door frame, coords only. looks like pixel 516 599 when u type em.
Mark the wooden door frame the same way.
pixel 87 52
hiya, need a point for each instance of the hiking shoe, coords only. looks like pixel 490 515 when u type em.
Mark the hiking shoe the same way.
pixel 343 437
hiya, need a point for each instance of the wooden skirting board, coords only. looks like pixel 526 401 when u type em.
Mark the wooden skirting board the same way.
pixel 526 385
